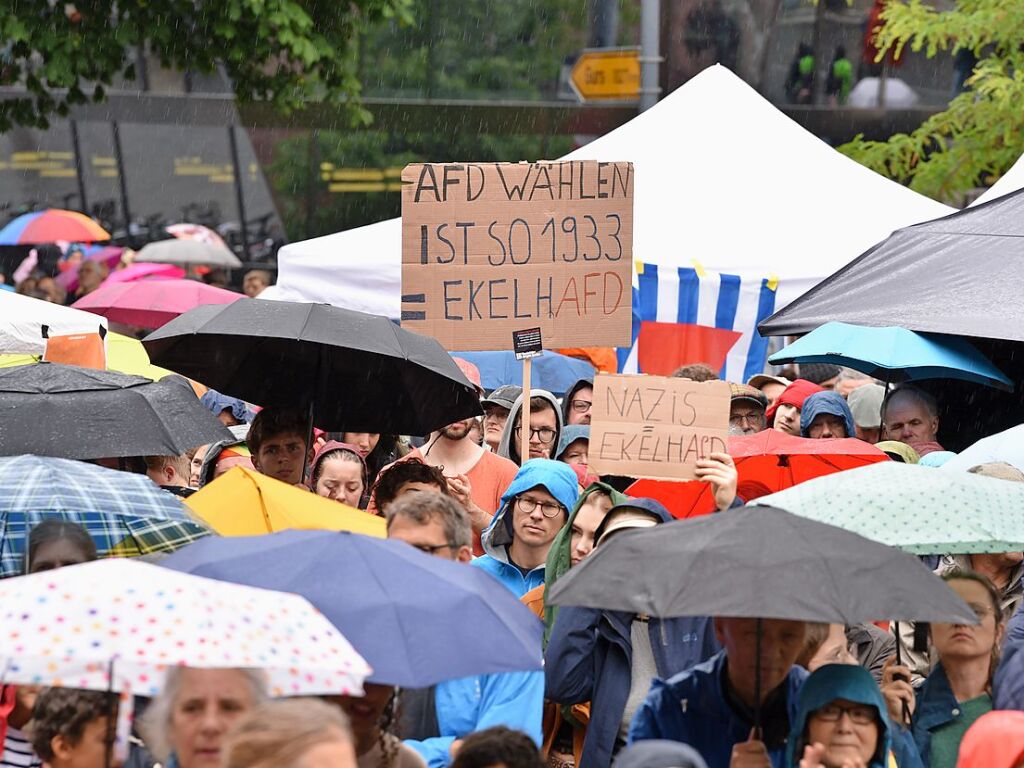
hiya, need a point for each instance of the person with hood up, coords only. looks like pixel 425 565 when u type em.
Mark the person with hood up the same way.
pixel 996 740
pixel 533 509
pixel 574 445
pixel 577 402
pixel 565 729
pixel 609 658
pixel 784 413
pixel 842 722
pixel 545 428
pixel 826 415
pixel 435 720
pixel 229 410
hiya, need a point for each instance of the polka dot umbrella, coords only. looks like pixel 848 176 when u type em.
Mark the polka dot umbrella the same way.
pixel 921 510
pixel 119 625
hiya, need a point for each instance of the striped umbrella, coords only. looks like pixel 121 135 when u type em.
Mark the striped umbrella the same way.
pixel 126 514
pixel 52 225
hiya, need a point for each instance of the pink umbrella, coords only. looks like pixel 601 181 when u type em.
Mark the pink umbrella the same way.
pixel 152 303
pixel 107 254
pixel 140 271
pixel 188 231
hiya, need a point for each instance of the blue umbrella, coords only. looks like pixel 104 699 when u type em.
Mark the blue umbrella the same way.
pixel 894 354
pixel 418 620
pixel 551 371
pixel 126 514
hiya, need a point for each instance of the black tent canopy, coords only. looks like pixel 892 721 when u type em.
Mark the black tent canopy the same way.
pixel 962 274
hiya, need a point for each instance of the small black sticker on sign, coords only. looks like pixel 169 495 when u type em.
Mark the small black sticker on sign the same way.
pixel 527 343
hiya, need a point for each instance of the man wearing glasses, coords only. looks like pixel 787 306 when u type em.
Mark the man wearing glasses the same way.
pixel 577 402
pixel 434 720
pixel 545 428
pixel 533 509
pixel 747 410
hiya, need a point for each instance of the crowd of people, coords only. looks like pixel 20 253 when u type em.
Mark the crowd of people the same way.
pixel 617 688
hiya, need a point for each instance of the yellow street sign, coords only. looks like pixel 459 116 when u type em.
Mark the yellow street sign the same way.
pixel 609 74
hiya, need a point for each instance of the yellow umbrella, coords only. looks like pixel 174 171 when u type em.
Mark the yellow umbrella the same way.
pixel 124 354
pixel 243 502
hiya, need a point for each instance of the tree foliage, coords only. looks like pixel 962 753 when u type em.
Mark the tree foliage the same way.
pixel 282 51
pixel 981 132
pixel 456 50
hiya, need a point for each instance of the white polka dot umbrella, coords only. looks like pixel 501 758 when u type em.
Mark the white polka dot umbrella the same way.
pixel 118 625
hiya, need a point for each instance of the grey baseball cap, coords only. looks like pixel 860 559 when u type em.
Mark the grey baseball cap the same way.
pixel 866 405
pixel 504 396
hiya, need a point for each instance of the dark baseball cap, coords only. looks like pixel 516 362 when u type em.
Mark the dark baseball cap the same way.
pixel 504 396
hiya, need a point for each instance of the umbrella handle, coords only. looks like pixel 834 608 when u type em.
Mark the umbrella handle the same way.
pixel 899 662
pixel 757 681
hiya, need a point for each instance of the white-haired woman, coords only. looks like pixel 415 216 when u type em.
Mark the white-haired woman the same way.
pixel 184 727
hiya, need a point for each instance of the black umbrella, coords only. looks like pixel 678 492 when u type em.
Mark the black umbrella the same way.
pixel 79 413
pixel 758 562
pixel 355 371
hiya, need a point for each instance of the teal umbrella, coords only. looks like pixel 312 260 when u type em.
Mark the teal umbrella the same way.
pixel 894 354
pixel 918 509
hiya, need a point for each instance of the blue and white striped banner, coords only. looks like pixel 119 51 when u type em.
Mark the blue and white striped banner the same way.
pixel 688 295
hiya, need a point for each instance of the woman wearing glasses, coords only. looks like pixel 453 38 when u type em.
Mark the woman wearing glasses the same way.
pixel 959 689
pixel 841 722
pixel 533 510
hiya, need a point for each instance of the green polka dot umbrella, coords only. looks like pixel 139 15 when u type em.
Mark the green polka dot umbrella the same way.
pixel 919 509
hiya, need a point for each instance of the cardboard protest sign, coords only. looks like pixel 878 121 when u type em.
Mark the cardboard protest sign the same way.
pixel 491 248
pixel 656 426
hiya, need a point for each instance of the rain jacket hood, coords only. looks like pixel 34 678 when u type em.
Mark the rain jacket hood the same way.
pixel 570 434
pixel 508 447
pixel 826 402
pixel 839 681
pixel 651 506
pixel 560 554
pixel 996 740
pixel 795 395
pixel 217 403
pixel 567 400
pixel 556 478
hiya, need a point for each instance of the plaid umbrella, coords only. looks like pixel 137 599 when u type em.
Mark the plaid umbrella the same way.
pixel 126 515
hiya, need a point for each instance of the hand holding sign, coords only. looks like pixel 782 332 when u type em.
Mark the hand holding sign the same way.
pixel 658 427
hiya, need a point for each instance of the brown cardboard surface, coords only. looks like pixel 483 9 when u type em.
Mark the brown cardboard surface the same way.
pixel 656 426
pixel 491 248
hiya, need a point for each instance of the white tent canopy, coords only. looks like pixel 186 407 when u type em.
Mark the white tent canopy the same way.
pixel 723 178
pixel 22 319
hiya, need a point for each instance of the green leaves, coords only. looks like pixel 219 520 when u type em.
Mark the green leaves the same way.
pixel 981 132
pixel 284 51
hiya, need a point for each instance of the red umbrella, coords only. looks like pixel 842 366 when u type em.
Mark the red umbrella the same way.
pixel 152 303
pixel 766 462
